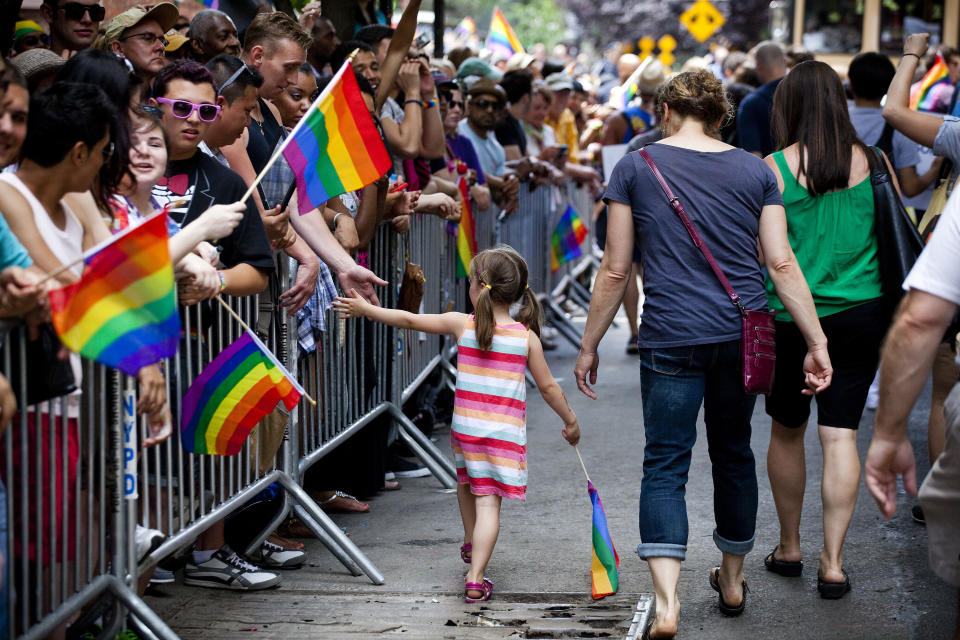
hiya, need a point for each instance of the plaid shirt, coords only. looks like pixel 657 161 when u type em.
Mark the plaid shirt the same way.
pixel 311 319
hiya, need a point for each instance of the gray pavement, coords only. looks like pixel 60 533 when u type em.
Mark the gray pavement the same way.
pixel 541 564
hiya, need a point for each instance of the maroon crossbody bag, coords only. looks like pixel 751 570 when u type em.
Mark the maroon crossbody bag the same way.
pixel 758 349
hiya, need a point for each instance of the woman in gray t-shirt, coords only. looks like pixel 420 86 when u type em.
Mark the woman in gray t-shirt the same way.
pixel 690 335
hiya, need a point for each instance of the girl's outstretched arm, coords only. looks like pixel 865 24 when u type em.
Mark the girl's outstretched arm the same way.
pixel 442 323
pixel 550 390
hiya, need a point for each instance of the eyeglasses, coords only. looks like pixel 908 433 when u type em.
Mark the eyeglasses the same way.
pixel 232 78
pixel 153 111
pixel 457 104
pixel 75 10
pixel 108 151
pixel 485 104
pixel 183 108
pixel 148 38
pixel 33 41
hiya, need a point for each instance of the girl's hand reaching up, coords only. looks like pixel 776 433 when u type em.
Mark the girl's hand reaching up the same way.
pixel 353 307
pixel 220 220
pixel 571 431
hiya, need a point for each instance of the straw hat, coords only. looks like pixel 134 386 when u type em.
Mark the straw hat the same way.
pixel 34 62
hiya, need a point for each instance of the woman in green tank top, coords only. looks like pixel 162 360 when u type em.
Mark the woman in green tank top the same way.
pixel 823 172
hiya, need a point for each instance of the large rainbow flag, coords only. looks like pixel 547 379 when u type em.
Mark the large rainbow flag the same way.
pixel 923 95
pixel 604 577
pixel 502 39
pixel 242 384
pixel 466 232
pixel 335 147
pixel 567 236
pixel 123 311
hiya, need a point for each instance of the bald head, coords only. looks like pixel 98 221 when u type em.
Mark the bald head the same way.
pixel 626 65
pixel 211 34
pixel 771 61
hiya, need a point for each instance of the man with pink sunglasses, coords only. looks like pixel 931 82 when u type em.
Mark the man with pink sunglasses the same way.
pixel 184 92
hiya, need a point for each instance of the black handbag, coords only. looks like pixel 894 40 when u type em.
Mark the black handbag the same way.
pixel 898 242
pixel 46 375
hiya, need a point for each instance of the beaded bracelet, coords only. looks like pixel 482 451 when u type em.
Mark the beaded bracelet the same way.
pixel 429 103
pixel 223 281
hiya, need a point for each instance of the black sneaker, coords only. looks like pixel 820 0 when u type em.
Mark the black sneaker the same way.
pixel 633 346
pixel 917 513
pixel 403 468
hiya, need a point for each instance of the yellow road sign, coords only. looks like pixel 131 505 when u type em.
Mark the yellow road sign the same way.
pixel 667 44
pixel 702 20
pixel 645 46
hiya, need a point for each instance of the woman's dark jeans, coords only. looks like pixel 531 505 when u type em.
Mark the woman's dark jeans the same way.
pixel 674 383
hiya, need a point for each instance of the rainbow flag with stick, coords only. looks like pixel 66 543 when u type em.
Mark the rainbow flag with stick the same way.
pixel 240 386
pixel 567 237
pixel 466 28
pixel 466 232
pixel 123 311
pixel 923 95
pixel 605 563
pixel 335 147
pixel 502 39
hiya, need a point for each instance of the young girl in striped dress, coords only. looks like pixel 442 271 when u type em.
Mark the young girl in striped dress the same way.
pixel 488 431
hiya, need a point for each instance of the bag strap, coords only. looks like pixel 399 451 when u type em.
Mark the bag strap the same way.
pixel 697 240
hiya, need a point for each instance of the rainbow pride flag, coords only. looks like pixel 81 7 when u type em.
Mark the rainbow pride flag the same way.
pixel 502 39
pixel 466 28
pixel 123 311
pixel 335 147
pixel 242 384
pixel 604 578
pixel 466 232
pixel 567 236
pixel 923 95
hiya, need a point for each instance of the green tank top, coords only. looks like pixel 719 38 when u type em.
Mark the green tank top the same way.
pixel 833 236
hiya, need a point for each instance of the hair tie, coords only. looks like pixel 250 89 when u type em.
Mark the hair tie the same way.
pixel 489 288
pixel 527 287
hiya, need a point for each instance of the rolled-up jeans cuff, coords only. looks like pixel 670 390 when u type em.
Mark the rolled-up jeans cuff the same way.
pixel 735 548
pixel 661 550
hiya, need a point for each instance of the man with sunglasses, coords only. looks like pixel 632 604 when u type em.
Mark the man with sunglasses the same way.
pixel 137 35
pixel 485 101
pixel 27 35
pixel 73 24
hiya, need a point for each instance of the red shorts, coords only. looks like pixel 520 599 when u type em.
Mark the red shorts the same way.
pixel 62 435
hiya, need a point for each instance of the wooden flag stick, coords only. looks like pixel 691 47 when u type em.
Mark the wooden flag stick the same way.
pixel 583 466
pixel 59 270
pixel 243 324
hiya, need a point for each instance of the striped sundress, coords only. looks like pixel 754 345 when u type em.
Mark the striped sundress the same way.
pixel 488 431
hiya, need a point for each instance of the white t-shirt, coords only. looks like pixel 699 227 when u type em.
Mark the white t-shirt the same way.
pixel 937 270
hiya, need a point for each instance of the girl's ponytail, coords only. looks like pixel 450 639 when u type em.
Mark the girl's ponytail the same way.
pixel 530 314
pixel 483 315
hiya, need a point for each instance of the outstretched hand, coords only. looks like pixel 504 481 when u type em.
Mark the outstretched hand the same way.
pixel 362 280
pixel 353 307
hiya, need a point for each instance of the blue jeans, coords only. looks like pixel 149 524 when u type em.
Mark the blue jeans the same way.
pixel 674 383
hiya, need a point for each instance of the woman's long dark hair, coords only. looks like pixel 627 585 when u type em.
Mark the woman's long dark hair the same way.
pixel 810 109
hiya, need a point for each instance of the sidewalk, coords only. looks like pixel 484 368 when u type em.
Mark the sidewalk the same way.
pixel 541 564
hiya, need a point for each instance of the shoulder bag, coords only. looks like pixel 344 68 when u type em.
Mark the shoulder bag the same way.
pixel 898 242
pixel 758 349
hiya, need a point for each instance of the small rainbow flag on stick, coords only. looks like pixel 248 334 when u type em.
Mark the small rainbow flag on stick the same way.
pixel 605 564
pixel 466 28
pixel 923 95
pixel 335 147
pixel 501 38
pixel 123 311
pixel 604 567
pixel 242 384
pixel 466 232
pixel 567 236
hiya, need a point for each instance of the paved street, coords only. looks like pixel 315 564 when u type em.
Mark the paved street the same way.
pixel 541 564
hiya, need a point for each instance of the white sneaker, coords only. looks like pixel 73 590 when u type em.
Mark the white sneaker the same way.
pixel 226 570
pixel 162 576
pixel 549 333
pixel 147 541
pixel 273 556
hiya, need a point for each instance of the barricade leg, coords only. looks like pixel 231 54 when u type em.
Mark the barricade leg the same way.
pixel 318 521
pixel 438 464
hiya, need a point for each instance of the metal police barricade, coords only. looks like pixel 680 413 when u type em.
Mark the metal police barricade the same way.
pixel 357 375
pixel 69 467
pixel 528 230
